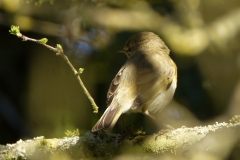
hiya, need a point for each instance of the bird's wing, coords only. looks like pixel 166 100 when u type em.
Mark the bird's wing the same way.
pixel 153 78
pixel 119 97
pixel 108 119
pixel 114 85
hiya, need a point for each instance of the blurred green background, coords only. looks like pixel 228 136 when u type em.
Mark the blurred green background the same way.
pixel 39 94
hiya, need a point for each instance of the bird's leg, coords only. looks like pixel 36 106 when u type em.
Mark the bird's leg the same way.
pixel 157 120
pixel 161 132
pixel 123 131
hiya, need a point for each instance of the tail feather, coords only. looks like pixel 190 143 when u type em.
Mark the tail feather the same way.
pixel 108 119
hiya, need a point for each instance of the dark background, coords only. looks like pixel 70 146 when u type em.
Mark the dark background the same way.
pixel 39 94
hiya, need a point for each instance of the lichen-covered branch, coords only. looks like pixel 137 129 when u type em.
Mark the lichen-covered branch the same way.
pixel 213 141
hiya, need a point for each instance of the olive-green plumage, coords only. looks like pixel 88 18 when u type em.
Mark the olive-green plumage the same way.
pixel 146 82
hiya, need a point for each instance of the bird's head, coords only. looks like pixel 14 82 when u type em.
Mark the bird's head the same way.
pixel 144 41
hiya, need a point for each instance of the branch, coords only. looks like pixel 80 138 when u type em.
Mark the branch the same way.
pixel 59 52
pixel 181 39
pixel 213 140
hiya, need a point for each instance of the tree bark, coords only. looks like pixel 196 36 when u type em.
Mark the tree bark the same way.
pixel 209 142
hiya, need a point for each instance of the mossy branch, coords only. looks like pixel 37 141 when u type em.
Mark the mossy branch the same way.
pixel 211 142
pixel 59 51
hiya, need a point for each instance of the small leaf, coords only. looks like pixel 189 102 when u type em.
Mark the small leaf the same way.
pixel 72 133
pixel 42 142
pixel 59 47
pixel 43 40
pixel 95 109
pixel 15 30
pixel 80 70
pixel 235 119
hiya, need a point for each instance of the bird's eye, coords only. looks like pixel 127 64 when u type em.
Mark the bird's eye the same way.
pixel 129 49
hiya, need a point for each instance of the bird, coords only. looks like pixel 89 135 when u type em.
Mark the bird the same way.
pixel 145 83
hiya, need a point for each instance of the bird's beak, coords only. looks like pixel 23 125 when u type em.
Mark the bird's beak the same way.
pixel 121 51
pixel 124 51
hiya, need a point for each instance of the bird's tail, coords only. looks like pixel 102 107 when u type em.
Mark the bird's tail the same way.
pixel 108 119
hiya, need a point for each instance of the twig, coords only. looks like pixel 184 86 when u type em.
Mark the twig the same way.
pixel 59 51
